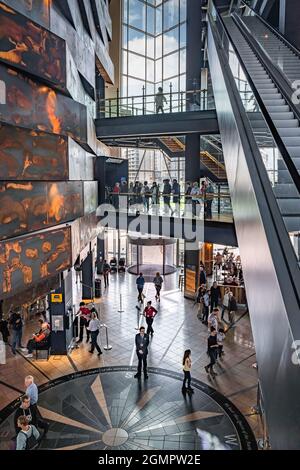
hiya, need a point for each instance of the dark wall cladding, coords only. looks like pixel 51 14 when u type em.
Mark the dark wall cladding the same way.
pixel 32 259
pixel 83 231
pixel 29 206
pixel 36 10
pixel 29 104
pixel 29 47
pixel 30 295
pixel 30 155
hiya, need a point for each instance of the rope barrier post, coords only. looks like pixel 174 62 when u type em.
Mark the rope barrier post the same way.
pixel 121 308
pixel 108 346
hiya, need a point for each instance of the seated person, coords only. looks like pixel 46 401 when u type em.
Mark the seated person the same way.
pixel 39 340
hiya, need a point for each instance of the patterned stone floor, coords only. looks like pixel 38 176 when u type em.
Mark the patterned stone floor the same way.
pixel 176 329
pixel 107 408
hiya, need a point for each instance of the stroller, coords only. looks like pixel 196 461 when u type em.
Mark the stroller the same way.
pixel 121 267
pixel 113 265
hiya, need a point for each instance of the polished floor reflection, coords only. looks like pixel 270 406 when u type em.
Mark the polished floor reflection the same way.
pixel 176 328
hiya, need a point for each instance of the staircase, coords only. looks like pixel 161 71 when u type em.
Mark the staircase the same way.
pixel 285 122
pixel 209 161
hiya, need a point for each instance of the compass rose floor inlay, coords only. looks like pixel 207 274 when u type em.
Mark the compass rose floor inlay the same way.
pixel 107 408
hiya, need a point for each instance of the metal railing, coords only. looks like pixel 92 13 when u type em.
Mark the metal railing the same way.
pixel 212 206
pixel 169 102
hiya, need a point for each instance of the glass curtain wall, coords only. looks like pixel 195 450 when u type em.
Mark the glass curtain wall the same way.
pixel 153 55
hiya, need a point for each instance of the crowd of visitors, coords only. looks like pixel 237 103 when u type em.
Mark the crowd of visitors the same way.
pixel 174 199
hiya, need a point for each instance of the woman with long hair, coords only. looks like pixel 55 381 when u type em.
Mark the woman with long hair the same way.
pixel 187 365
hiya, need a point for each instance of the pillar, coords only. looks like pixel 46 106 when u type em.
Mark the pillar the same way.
pixel 88 277
pixel 192 157
pixel 194 57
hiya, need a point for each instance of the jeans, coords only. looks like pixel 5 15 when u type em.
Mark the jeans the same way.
pixel 140 291
pixel 149 322
pixel 16 340
pixel 94 336
pixel 213 356
pixel 213 304
pixel 106 278
pixel 187 378
pixel 158 289
pixel 223 311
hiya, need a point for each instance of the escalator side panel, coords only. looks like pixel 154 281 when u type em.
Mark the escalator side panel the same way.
pixel 265 251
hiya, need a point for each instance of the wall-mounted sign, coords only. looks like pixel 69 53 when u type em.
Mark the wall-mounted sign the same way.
pixel 56 298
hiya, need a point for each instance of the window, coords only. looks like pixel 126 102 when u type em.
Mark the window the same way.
pixel 171 14
pixel 136 41
pixel 137 14
pixel 136 66
pixel 171 40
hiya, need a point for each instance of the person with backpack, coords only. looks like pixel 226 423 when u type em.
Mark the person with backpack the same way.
pixel 25 409
pixel 158 281
pixel 28 436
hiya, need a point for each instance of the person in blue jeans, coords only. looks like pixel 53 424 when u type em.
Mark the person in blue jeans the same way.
pixel 140 282
pixel 17 328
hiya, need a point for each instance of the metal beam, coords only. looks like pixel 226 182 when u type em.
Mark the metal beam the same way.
pixel 201 122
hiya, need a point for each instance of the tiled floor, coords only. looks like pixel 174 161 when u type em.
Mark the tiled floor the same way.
pixel 176 329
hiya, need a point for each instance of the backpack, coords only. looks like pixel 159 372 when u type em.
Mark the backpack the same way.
pixel 31 442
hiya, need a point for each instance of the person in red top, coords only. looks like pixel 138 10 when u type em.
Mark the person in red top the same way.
pixel 84 315
pixel 39 340
pixel 150 312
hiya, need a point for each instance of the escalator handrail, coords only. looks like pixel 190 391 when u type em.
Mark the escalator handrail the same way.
pixel 278 140
pixel 275 31
pixel 276 74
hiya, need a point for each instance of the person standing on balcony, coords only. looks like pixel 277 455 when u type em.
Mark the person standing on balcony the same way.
pixel 195 198
pixel 209 200
pixel 115 195
pixel 146 195
pixel 155 194
pixel 160 100
pixel 176 195
pixel 166 193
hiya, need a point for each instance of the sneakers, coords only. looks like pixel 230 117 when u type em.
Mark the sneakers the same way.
pixel 23 349
pixel 28 355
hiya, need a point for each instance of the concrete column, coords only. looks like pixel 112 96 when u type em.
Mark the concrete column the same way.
pixel 194 59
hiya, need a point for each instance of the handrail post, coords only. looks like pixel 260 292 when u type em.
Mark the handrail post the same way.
pixel 132 106
pixel 109 107
pixel 118 104
pixel 219 200
pixel 171 87
pixel 181 101
pixel 143 100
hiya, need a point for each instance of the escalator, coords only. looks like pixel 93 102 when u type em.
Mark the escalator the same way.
pixel 262 159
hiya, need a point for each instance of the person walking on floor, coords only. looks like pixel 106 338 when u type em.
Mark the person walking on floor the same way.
pixel 158 281
pixel 16 323
pixel 94 328
pixel 150 312
pixel 225 302
pixel 141 343
pixel 202 276
pixel 220 339
pixel 206 302
pixel 215 294
pixel 106 271
pixel 84 315
pixel 212 350
pixel 187 366
pixel 140 282
pixel 232 309
pixel 213 319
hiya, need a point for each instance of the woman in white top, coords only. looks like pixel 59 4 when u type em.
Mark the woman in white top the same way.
pixel 187 365
pixel 195 193
pixel 225 302
pixel 94 327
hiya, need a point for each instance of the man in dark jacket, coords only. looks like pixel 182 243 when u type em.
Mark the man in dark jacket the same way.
pixel 202 276
pixel 215 295
pixel 16 323
pixel 167 189
pixel 176 195
pixel 27 410
pixel 141 344
pixel 140 282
